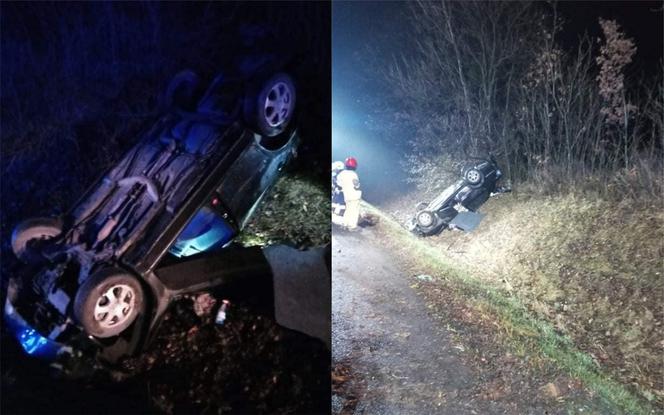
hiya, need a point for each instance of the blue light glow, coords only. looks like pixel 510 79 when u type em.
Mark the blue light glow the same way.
pixel 31 341
pixel 205 231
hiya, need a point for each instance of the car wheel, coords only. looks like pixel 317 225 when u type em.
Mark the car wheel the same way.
pixel 426 219
pixel 270 109
pixel 474 176
pixel 29 231
pixel 108 302
pixel 182 91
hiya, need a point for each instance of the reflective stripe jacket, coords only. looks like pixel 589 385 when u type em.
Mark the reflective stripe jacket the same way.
pixel 350 185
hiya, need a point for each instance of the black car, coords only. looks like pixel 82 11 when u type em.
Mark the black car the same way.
pixel 101 276
pixel 456 207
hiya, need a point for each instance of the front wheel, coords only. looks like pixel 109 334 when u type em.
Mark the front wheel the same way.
pixel 31 231
pixel 108 302
pixel 270 108
pixel 425 219
pixel 427 223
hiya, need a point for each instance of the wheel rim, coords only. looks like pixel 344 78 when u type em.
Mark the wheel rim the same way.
pixel 114 307
pixel 425 219
pixel 473 176
pixel 277 109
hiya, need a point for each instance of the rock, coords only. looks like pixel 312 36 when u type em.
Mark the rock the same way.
pixel 551 390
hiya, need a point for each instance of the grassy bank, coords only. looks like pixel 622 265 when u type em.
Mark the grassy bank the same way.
pixel 553 273
pixel 295 212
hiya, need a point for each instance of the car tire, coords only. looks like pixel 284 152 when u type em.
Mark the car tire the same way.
pixel 30 230
pixel 108 302
pixel 182 91
pixel 474 177
pixel 432 231
pixel 269 107
pixel 426 219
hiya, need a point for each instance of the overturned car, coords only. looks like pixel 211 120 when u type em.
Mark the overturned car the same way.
pixel 456 207
pixel 101 276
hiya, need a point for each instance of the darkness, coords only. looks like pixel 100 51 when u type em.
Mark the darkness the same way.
pixel 79 81
pixel 366 38
pixel 641 20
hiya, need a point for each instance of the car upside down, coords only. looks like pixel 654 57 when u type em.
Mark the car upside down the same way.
pixel 101 276
pixel 457 206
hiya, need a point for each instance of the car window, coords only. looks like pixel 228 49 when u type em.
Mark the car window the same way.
pixel 205 231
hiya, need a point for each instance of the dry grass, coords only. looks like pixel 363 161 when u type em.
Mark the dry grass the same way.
pixel 642 181
pixel 592 268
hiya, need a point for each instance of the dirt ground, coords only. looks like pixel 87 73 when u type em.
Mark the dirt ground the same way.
pixel 399 346
pixel 248 365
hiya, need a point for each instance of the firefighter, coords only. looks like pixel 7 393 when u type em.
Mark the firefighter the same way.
pixel 338 203
pixel 350 186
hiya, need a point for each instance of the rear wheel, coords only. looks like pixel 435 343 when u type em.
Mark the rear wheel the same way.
pixel 30 232
pixel 474 177
pixel 108 302
pixel 270 108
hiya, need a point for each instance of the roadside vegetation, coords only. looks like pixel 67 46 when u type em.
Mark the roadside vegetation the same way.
pixel 496 77
pixel 295 212
pixel 571 262
pixel 538 314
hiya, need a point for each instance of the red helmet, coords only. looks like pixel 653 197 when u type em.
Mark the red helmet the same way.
pixel 350 163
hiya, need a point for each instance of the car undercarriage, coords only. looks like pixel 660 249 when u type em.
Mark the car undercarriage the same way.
pixel 457 206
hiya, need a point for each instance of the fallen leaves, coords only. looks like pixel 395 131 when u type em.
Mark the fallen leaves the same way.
pixel 348 386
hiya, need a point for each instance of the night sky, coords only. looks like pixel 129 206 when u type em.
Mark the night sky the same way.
pixel 641 20
pixel 367 34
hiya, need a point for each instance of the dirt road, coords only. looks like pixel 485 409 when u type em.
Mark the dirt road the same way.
pixel 391 355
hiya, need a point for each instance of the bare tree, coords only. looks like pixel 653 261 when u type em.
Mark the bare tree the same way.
pixel 470 56
pixel 491 76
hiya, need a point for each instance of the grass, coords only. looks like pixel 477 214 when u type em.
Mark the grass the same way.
pixel 523 328
pixel 591 267
pixel 295 212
